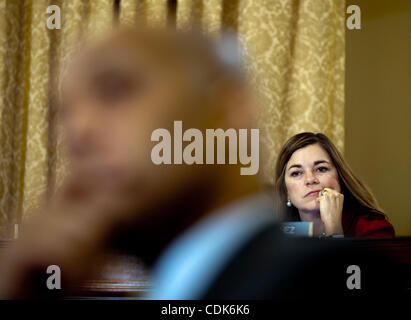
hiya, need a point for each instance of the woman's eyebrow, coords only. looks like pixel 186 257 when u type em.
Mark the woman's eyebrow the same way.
pixel 315 163
pixel 320 161
pixel 295 166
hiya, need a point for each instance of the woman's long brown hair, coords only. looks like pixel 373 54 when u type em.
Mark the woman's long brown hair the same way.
pixel 357 196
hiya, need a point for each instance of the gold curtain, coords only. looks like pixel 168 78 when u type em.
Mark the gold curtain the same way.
pixel 295 53
pixel 296 59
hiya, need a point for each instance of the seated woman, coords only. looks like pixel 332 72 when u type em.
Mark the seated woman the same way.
pixel 314 183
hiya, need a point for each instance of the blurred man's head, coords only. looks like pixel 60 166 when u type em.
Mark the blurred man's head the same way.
pixel 118 90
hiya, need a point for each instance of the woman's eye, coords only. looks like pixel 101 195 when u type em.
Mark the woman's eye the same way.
pixel 295 174
pixel 322 169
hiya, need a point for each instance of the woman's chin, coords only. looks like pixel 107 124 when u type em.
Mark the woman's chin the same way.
pixel 312 207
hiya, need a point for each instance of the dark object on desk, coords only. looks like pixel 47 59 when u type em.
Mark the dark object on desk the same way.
pixel 312 268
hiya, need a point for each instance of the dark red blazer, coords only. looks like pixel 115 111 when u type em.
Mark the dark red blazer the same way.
pixel 366 225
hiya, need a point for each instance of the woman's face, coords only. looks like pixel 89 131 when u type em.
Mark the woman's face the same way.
pixel 308 171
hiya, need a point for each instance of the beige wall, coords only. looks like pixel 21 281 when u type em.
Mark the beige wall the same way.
pixel 378 105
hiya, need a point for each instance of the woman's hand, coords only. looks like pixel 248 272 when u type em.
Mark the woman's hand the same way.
pixel 331 205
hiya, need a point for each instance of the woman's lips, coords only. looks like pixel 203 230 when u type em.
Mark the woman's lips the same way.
pixel 312 193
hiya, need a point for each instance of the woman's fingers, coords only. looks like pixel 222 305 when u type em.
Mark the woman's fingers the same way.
pixel 331 204
pixel 329 192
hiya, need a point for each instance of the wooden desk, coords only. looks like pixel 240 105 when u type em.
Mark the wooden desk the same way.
pixel 123 275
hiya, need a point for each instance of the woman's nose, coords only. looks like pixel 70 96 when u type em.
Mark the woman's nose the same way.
pixel 311 179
